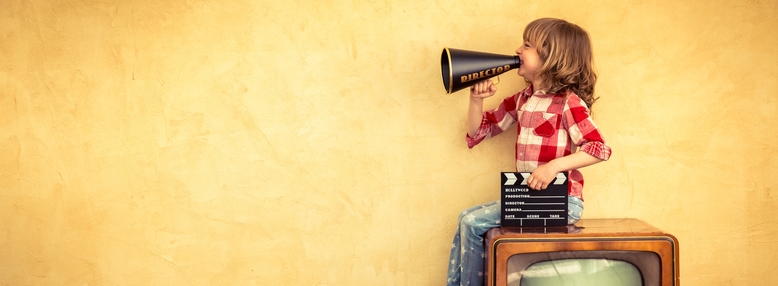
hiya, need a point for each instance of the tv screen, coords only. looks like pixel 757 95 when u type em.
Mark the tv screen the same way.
pixel 581 272
pixel 600 268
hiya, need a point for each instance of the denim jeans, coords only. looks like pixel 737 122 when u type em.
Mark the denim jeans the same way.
pixel 466 263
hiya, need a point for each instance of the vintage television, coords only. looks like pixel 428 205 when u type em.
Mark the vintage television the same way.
pixel 593 252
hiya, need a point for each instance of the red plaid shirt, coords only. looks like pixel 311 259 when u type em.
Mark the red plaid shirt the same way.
pixel 549 127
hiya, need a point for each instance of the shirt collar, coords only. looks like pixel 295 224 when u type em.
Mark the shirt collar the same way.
pixel 530 91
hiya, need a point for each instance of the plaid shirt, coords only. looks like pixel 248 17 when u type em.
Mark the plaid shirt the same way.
pixel 549 127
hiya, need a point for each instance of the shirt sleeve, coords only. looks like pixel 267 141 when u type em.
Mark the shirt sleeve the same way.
pixel 581 128
pixel 496 121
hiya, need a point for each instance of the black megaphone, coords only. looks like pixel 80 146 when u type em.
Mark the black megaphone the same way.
pixel 463 68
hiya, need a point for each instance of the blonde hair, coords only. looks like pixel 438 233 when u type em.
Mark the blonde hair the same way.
pixel 566 52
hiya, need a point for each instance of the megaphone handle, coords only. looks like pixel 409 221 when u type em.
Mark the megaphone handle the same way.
pixel 494 83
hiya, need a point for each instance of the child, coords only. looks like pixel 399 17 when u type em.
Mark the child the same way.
pixel 553 117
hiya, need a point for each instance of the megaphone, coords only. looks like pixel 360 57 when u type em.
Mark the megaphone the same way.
pixel 463 68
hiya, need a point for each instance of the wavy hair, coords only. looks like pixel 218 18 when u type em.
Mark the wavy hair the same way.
pixel 566 53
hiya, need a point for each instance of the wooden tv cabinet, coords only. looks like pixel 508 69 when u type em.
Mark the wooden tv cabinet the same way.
pixel 586 235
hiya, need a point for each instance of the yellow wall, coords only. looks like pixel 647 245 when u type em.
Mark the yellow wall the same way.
pixel 207 142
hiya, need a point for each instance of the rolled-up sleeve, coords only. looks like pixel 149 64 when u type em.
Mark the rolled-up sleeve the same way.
pixel 496 121
pixel 480 134
pixel 582 130
pixel 597 149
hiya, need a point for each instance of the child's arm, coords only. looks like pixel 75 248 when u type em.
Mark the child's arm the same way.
pixel 475 111
pixel 544 174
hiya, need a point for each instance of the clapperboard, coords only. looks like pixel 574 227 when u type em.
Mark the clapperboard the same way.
pixel 522 206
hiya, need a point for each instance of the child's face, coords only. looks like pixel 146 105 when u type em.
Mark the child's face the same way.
pixel 530 61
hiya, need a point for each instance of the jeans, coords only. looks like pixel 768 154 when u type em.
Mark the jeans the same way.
pixel 466 263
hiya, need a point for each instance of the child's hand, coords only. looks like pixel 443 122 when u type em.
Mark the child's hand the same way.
pixel 483 89
pixel 541 177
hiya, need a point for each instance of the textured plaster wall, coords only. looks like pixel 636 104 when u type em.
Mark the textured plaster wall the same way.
pixel 207 142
